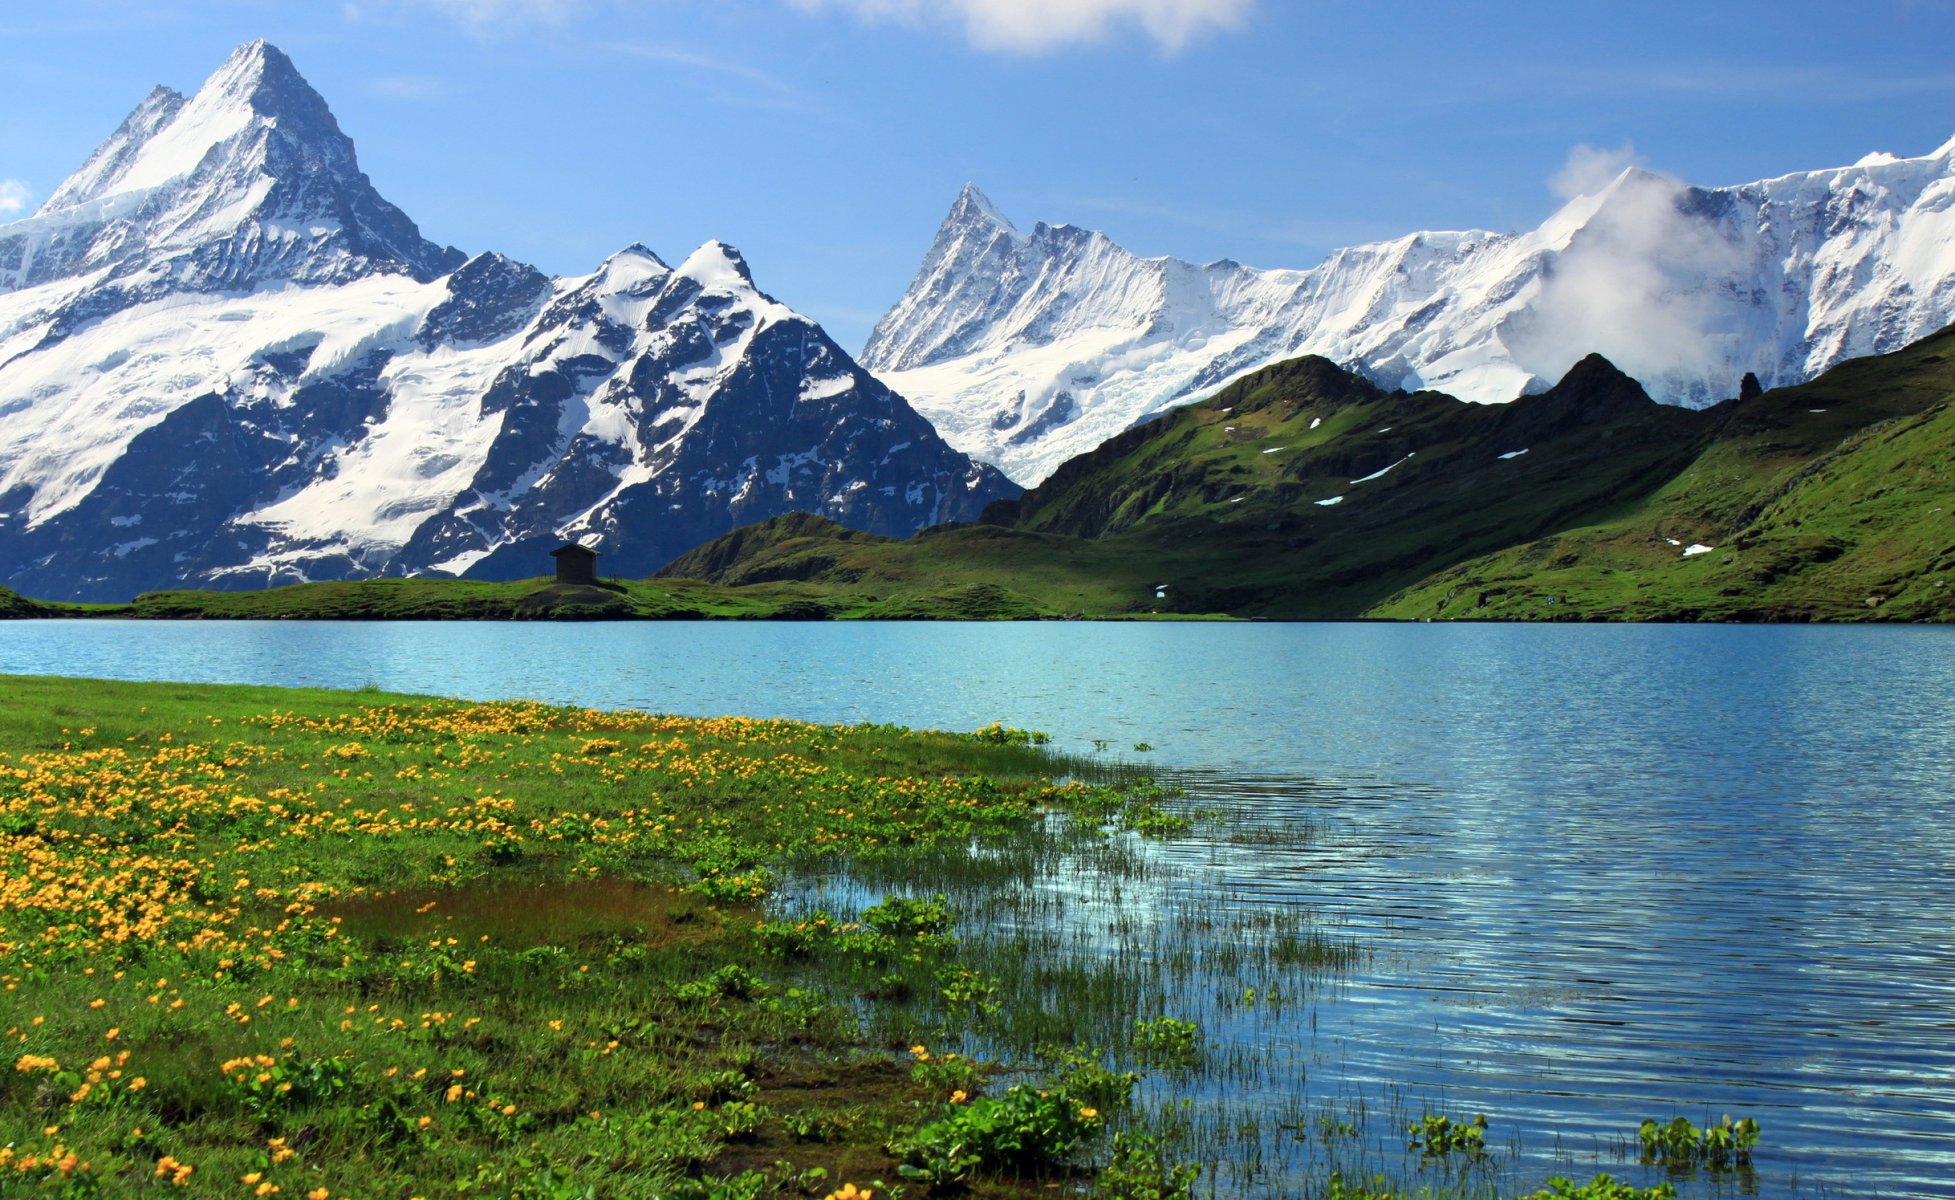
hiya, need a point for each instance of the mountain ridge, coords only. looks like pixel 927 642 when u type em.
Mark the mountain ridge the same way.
pixel 226 360
pixel 1305 491
pixel 1026 348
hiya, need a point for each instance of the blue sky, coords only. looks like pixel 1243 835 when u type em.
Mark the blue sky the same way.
pixel 826 138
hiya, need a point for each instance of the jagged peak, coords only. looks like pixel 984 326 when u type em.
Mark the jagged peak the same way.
pixel 488 264
pixel 167 136
pixel 717 265
pixel 973 209
pixel 155 111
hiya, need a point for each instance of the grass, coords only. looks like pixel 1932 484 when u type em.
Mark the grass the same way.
pixel 262 942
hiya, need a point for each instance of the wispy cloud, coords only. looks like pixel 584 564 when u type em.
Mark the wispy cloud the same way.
pixel 13 196
pixel 754 88
pixel 1040 26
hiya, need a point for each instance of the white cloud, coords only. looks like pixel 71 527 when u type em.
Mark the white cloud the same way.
pixel 1589 169
pixel 1036 26
pixel 1638 283
pixel 13 195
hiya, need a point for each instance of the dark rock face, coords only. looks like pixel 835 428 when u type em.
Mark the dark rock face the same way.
pixel 288 382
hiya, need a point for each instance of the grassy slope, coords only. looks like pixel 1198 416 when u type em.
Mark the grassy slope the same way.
pixel 13 604
pixel 392 946
pixel 1838 514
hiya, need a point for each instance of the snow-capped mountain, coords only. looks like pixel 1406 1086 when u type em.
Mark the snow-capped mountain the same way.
pixel 1026 349
pixel 225 360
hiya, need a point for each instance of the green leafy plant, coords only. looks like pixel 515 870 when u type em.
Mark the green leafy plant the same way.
pixel 996 734
pixel 1139 1170
pixel 962 987
pixel 1338 1188
pixel 904 918
pixel 1679 1144
pixel 1441 1136
pixel 1025 1128
pixel 1168 1042
pixel 732 981
pixel 1085 1076
pixel 1600 1188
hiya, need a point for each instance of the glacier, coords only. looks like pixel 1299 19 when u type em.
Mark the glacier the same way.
pixel 1027 348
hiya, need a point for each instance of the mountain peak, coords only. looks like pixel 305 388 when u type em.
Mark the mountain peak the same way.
pixel 973 208
pixel 168 137
pixel 1595 385
pixel 264 79
pixel 717 264
pixel 246 181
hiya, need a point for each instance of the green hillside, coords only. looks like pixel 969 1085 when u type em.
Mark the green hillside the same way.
pixel 457 599
pixel 1305 491
pixel 1829 501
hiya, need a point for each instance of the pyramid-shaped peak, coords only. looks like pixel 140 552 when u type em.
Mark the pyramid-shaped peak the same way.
pixel 167 137
pixel 259 76
pixel 973 208
pixel 1596 385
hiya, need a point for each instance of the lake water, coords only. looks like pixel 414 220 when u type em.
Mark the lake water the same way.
pixel 1604 872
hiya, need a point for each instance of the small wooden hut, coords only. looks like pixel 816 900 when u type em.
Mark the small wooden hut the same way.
pixel 575 563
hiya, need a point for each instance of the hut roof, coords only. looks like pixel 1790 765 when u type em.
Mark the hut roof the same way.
pixel 573 548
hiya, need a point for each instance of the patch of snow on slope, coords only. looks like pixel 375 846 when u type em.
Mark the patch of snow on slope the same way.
pixel 1381 472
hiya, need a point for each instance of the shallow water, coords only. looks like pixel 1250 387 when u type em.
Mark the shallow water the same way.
pixel 1605 872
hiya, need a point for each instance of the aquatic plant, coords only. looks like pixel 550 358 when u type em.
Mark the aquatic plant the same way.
pixel 1168 1042
pixel 1440 1136
pixel 1680 1144
pixel 1003 735
pixel 1140 1170
pixel 1025 1129
pixel 1602 1187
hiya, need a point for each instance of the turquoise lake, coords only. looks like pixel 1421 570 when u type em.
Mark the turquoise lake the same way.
pixel 1600 873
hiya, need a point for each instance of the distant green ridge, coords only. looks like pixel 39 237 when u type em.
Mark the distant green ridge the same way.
pixel 1305 491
